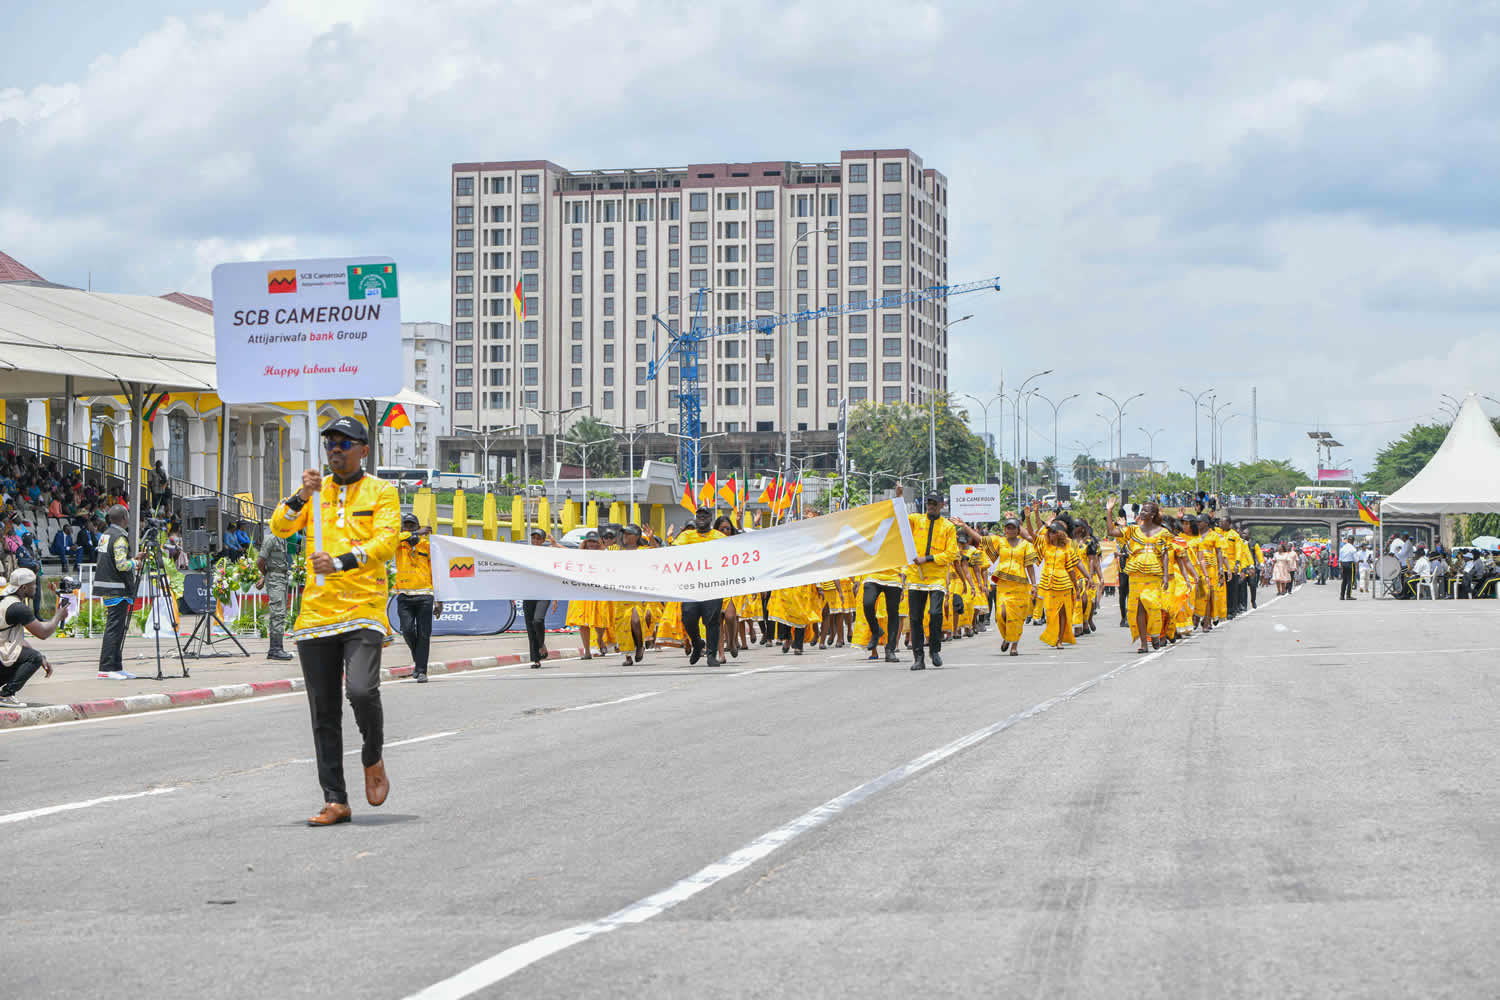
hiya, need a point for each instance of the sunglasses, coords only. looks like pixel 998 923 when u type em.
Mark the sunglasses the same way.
pixel 338 444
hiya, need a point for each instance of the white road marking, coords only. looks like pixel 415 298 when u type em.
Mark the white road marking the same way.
pixel 512 960
pixel 602 704
pixel 1341 651
pixel 70 806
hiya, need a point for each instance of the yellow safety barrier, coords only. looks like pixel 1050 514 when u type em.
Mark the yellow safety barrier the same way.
pixel 460 520
pixel 491 523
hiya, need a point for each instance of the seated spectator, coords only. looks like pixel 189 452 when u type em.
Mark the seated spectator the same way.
pixel 65 548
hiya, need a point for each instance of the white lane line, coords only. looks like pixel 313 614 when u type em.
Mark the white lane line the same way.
pixel 1339 651
pixel 86 804
pixel 399 743
pixel 512 960
pixel 602 704
pixel 256 700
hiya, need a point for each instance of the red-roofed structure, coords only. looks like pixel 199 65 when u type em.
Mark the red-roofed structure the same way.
pixel 13 270
pixel 197 302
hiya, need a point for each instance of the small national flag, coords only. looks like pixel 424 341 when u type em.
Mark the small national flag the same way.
pixel 520 302
pixel 687 502
pixel 1366 514
pixel 730 492
pixel 707 490
pixel 395 417
pixel 771 492
pixel 157 404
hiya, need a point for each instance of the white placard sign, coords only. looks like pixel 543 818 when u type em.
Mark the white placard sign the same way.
pixel 975 501
pixel 307 329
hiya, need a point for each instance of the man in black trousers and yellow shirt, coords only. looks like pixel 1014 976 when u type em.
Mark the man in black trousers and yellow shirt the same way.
pixel 342 626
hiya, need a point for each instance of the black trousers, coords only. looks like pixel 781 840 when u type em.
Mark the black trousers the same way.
pixel 535 614
pixel 872 595
pixel 116 621
pixel 415 614
pixel 352 658
pixel 1123 588
pixel 785 632
pixel 1252 585
pixel 926 608
pixel 1234 594
pixel 1346 580
pixel 707 613
pixel 14 677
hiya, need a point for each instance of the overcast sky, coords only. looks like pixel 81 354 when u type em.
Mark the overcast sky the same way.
pixel 1297 197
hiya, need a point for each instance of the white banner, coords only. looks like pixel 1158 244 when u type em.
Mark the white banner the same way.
pixel 850 543
pixel 975 502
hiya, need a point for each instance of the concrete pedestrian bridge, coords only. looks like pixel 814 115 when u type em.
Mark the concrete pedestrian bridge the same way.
pixel 1328 521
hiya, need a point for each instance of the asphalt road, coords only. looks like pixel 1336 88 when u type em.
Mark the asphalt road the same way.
pixel 1302 804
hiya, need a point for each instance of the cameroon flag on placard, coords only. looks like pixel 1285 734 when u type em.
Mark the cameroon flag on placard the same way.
pixel 395 417
pixel 520 302
pixel 707 490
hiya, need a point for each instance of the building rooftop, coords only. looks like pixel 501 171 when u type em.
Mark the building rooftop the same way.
pixel 13 270
pixel 197 302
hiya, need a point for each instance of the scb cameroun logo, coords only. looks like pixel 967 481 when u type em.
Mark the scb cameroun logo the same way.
pixel 460 567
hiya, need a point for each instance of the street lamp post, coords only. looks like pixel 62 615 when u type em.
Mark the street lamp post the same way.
pixel 698 454
pixel 1055 407
pixel 1016 409
pixel 984 408
pixel 486 438
pixel 1220 449
pixel 1195 400
pixel 1151 452
pixel 586 445
pixel 932 413
pixel 1120 430
pixel 632 435
pixel 786 343
pixel 558 412
pixel 1088 452
pixel 1214 408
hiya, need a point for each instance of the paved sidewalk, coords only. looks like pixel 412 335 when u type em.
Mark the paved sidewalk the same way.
pixel 74 691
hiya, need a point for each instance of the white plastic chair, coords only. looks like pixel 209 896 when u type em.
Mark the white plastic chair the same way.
pixel 1425 580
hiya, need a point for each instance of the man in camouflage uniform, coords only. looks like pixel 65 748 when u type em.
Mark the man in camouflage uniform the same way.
pixel 275 565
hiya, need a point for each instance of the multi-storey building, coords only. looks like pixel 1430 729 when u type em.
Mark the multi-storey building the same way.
pixel 597 253
pixel 427 362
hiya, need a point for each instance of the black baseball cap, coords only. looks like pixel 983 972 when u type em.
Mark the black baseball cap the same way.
pixel 409 520
pixel 934 497
pixel 705 510
pixel 538 531
pixel 350 428
pixel 631 529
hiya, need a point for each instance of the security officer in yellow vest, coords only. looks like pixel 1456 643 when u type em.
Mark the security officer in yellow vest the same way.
pixel 19 660
pixel 414 604
pixel 342 625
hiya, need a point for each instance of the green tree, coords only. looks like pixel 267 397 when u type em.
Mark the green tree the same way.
pixel 603 458
pixel 1269 475
pixel 894 437
pixel 1403 458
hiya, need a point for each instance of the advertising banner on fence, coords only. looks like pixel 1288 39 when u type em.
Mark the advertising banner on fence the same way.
pixel 852 542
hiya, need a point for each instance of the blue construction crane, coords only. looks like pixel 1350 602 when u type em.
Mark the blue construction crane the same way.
pixel 690 410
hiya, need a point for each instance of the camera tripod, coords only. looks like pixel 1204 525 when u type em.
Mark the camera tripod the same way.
pixel 159 589
pixel 203 633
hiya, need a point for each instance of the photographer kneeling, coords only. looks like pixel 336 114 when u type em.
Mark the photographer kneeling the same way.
pixel 18 660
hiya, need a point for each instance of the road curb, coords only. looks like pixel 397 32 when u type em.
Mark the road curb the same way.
pixel 16 718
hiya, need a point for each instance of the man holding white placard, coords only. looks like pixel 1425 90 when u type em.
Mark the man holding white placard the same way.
pixel 342 626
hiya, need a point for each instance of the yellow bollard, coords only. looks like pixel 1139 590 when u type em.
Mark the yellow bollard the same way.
pixel 635 513
pixel 569 516
pixel 460 515
pixel 544 515
pixel 491 526
pixel 617 513
pixel 591 513
pixel 659 521
pixel 518 518
pixel 424 505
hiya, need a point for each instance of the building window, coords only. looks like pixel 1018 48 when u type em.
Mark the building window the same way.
pixel 697 230
pixel 833 374
pixel 640 397
pixel 858 323
pixel 463 215
pixel 463 307
pixel 891 250
pixel 463 238
pixel 463 331
pixel 765 300
pixel 890 172
pixel 670 206
pixel 463 376
pixel 859 227
pixel 858 204
pixel 530 213
pixel 529 332
pixel 609 329
pixel 891 275
pixel 856 371
pixel 463 400
pixel 857 347
pixel 698 277
pixel 698 201
pixel 765 199
pixel 640 236
pixel 891 371
pixel 463 284
pixel 765 276
pixel 609 401
pixel 891 226
pixel 674 281
pixel 528 236
pixel 802 398
pixel 858 251
pixel 609 305
pixel 765 229
pixel 765 372
pixel 858 276
pixel 463 262
pixel 765 396
pixel 529 183
pixel 577 377
pixel 577 260
pixel 609 236
pixel 891 203
pixel 528 376
pixel 859 173
pixel 578 237
pixel 463 355
pixel 609 376
pixel 463 186
pixel 640 305
pixel 576 307
pixel 674 233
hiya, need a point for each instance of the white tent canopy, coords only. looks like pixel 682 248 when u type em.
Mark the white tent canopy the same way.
pixel 1462 478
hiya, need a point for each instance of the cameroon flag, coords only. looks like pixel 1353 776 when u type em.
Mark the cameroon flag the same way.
pixel 687 502
pixel 520 302
pixel 1366 514
pixel 395 417
pixel 157 404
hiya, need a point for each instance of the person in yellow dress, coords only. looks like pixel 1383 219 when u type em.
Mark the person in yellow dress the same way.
pixel 926 579
pixel 1061 577
pixel 342 626
pixel 591 618
pixel 1146 567
pixel 1214 546
pixel 629 617
pixel 1014 574
pixel 792 610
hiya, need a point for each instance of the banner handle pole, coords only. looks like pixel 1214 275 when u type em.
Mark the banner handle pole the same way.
pixel 317 506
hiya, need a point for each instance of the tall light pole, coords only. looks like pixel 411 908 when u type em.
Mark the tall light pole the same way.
pixel 558 412
pixel 1220 432
pixel 1016 409
pixel 1151 452
pixel 1214 408
pixel 698 454
pixel 1055 407
pixel 486 439
pixel 1120 429
pixel 586 445
pixel 932 413
pixel 871 492
pixel 984 408
pixel 786 345
pixel 1195 400
pixel 1087 450
pixel 631 436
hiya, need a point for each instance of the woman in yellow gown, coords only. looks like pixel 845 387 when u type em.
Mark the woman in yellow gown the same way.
pixel 793 609
pixel 1146 565
pixel 1183 579
pixel 1014 574
pixel 593 619
pixel 1061 577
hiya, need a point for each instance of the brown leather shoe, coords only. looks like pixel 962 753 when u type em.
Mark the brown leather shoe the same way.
pixel 333 812
pixel 377 786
